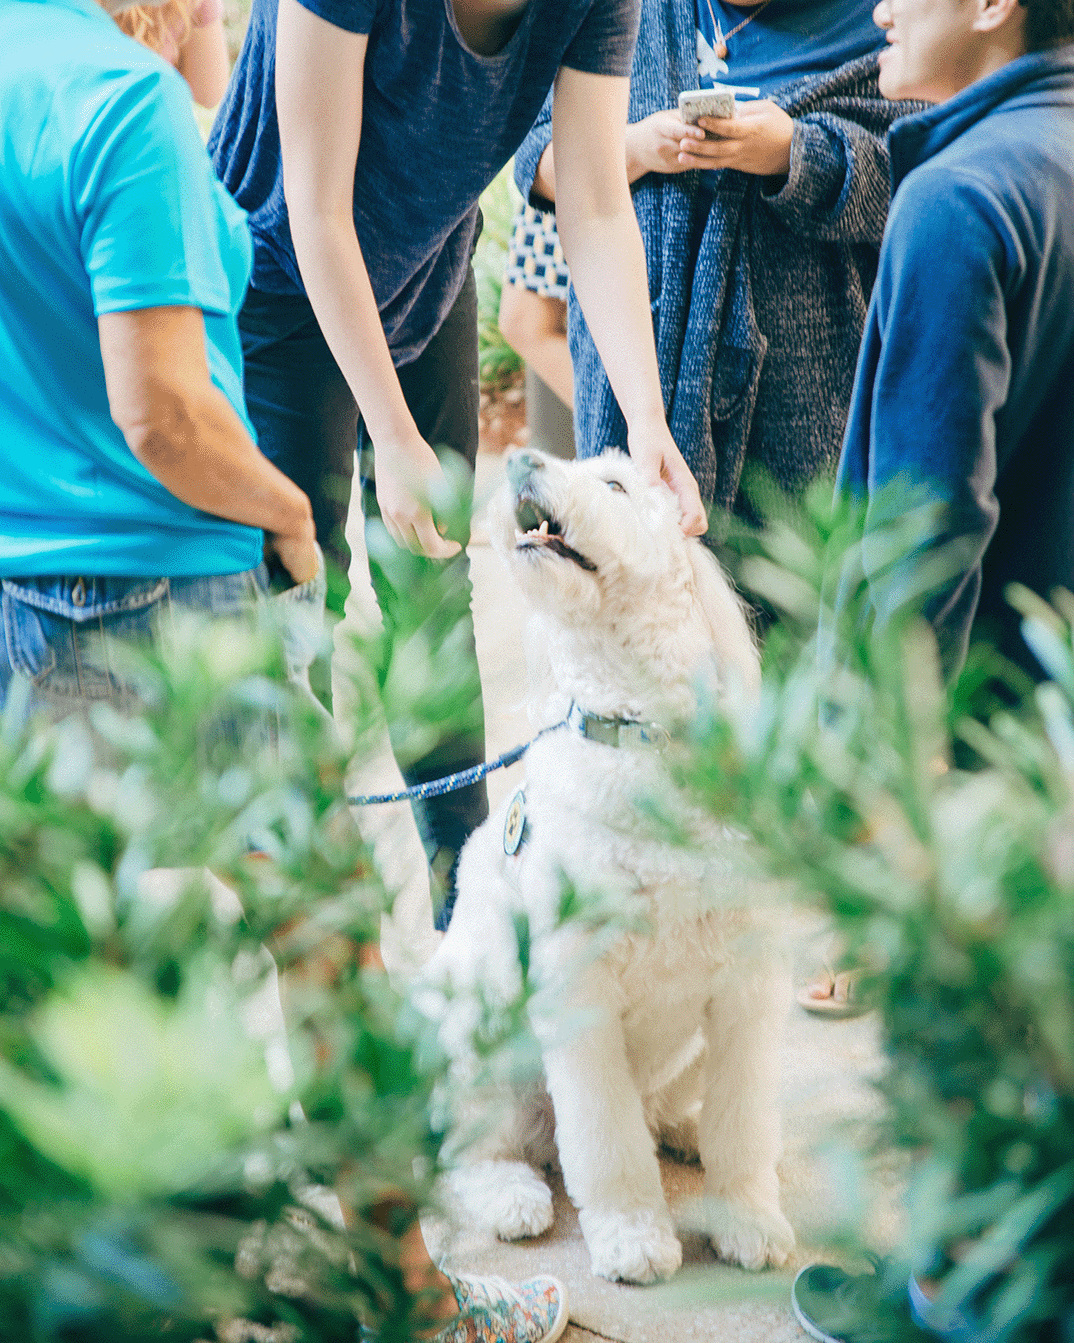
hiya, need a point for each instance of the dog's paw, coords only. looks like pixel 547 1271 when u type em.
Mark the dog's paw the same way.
pixel 506 1196
pixel 746 1234
pixel 638 1246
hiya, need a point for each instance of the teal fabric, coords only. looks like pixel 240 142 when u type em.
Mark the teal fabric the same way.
pixel 108 203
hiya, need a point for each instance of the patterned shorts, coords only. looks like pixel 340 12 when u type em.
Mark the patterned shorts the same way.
pixel 535 257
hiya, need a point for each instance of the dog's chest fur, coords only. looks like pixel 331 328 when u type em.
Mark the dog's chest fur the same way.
pixel 589 819
pixel 676 920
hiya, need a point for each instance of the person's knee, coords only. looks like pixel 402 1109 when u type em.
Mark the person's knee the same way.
pixel 527 318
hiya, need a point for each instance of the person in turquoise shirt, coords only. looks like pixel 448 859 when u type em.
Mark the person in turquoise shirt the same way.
pixel 129 476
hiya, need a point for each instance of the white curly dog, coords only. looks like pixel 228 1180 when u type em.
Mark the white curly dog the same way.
pixel 672 1025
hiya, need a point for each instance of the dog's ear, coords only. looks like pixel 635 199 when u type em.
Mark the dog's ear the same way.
pixel 732 639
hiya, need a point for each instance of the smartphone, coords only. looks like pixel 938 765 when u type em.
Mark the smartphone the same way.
pixel 715 102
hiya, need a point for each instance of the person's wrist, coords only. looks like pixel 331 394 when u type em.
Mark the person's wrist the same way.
pixel 400 445
pixel 300 528
pixel 645 421
pixel 636 165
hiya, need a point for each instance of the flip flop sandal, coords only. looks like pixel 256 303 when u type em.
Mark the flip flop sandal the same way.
pixel 835 1009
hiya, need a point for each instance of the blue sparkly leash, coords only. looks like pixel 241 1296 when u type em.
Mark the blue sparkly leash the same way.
pixel 593 726
pixel 453 782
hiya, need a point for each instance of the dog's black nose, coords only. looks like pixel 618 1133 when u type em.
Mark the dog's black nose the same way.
pixel 521 465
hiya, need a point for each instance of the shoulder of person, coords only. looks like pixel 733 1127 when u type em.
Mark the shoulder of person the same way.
pixel 207 12
pixel 953 209
pixel 141 111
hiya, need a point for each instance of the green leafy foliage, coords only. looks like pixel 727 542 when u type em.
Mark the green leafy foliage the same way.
pixel 941 842
pixel 174 1154
pixel 498 363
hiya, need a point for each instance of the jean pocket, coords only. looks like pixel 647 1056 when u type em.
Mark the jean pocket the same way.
pixel 67 635
pixel 302 620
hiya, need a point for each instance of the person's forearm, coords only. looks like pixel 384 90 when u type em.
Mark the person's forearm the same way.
pixel 203 63
pixel 183 429
pixel 544 179
pixel 197 447
pixel 635 168
pixel 637 165
pixel 337 284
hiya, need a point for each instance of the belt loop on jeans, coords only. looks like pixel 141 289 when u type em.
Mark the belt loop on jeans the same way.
pixel 78 592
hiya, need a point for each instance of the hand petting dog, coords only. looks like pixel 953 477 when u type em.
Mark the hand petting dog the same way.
pixel 657 457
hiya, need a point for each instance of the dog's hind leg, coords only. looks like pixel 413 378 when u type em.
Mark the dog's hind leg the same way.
pixel 606 1150
pixel 674 1112
pixel 509 1197
pixel 493 1183
pixel 740 1132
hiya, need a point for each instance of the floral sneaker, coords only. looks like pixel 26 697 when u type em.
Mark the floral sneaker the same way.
pixel 494 1310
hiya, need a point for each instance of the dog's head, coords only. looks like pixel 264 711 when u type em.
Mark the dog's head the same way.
pixel 600 554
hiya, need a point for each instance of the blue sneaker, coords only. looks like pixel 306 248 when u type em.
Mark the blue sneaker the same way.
pixel 837 1307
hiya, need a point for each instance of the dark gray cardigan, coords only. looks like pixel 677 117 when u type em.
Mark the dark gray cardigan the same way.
pixel 758 308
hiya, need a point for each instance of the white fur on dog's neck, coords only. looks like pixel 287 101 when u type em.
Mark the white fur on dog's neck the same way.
pixel 653 629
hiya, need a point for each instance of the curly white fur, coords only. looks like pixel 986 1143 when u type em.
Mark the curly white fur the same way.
pixel 671 1031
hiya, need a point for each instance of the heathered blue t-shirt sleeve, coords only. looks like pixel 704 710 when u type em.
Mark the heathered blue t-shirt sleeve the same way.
pixel 604 44
pixel 355 16
pixel 142 188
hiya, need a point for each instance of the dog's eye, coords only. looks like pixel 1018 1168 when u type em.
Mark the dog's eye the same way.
pixel 614 485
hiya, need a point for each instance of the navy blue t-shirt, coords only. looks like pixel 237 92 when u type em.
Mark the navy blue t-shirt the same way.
pixel 438 123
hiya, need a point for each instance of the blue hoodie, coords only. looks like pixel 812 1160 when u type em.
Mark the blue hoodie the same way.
pixel 965 382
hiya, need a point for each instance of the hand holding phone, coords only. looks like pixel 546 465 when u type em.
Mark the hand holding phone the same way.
pixel 715 102
pixel 719 101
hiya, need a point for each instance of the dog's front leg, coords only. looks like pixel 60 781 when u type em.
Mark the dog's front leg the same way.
pixel 740 1132
pixel 605 1148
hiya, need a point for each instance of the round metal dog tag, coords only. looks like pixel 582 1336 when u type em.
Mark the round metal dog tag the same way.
pixel 514 826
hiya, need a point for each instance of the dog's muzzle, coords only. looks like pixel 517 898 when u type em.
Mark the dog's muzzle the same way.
pixel 538 528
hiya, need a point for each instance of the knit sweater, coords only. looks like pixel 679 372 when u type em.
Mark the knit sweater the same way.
pixel 759 290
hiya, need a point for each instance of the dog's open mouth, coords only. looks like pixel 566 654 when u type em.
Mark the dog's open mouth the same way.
pixel 537 528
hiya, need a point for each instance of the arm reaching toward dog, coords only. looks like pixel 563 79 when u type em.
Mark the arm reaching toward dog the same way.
pixel 320 82
pixel 599 230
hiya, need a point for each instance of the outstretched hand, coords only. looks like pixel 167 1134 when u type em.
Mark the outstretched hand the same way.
pixel 658 458
pixel 408 475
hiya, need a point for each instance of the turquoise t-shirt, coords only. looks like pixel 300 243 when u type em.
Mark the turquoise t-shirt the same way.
pixel 108 203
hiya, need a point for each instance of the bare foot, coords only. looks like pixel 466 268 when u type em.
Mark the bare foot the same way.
pixel 832 993
pixel 834 987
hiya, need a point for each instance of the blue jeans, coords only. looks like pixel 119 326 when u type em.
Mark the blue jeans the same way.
pixel 62 633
